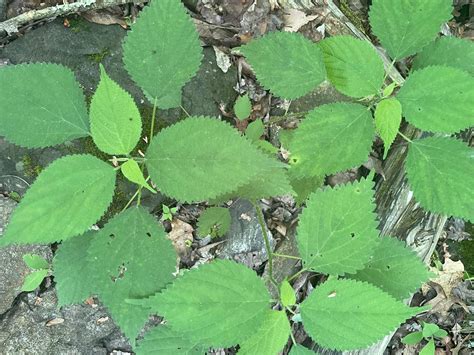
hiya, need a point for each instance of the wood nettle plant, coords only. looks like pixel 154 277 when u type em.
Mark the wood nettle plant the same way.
pixel 129 263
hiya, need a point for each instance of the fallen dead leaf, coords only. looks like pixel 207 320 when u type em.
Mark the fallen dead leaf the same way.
pixel 109 16
pixel 444 282
pixel 181 236
pixel 102 320
pixel 222 59
pixel 54 321
pixel 294 19
pixel 245 217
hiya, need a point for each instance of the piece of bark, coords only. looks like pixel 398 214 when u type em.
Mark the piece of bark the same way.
pixel 12 26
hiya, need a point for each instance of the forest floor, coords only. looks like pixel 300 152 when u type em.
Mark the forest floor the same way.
pixel 32 323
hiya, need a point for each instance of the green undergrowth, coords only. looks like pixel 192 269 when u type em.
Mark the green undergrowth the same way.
pixel 130 263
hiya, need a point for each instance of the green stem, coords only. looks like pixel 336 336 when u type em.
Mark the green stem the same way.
pixel 267 243
pixel 133 197
pixel 152 130
pixel 389 69
pixel 137 159
pixel 153 118
pixel 286 256
pixel 405 137
pixel 297 274
pixel 293 338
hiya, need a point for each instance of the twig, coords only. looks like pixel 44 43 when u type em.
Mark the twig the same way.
pixel 12 25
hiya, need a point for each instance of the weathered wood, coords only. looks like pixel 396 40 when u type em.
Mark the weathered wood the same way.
pixel 12 26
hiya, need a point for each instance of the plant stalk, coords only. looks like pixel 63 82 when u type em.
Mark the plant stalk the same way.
pixel 152 129
pixel 405 137
pixel 267 243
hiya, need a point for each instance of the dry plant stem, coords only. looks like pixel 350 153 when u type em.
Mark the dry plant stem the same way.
pixel 13 25
pixel 268 248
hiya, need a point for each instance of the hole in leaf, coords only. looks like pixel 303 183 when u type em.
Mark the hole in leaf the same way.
pixel 388 267
pixel 130 119
pixel 112 236
pixel 294 160
pixel 352 235
pixel 148 234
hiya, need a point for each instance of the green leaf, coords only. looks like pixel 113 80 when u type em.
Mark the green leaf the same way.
pixel 332 138
pixel 287 64
pixel 220 304
pixel 429 348
pixel 388 116
pixel 212 161
pixel 436 185
pixel 115 120
pixel 350 315
pixel 422 106
pixel 242 107
pixel 389 89
pixel 300 350
pixel 163 341
pixel 412 338
pixel 449 51
pixel 132 258
pixel 285 137
pixel 404 27
pixel 35 262
pixel 265 185
pixel 337 232
pixel 215 221
pixel 255 130
pixel 33 280
pixel 267 147
pixel 270 338
pixel 53 207
pixel 132 172
pixel 162 52
pixel 42 105
pixel 394 268
pixel 304 186
pixel 72 270
pixel 429 329
pixel 353 66
pixel 287 294
pixel 440 333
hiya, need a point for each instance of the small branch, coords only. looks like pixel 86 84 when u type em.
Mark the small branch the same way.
pixel 12 25
pixel 267 243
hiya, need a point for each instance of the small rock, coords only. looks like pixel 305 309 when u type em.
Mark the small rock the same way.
pixel 13 270
pixel 244 241
pixel 76 329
